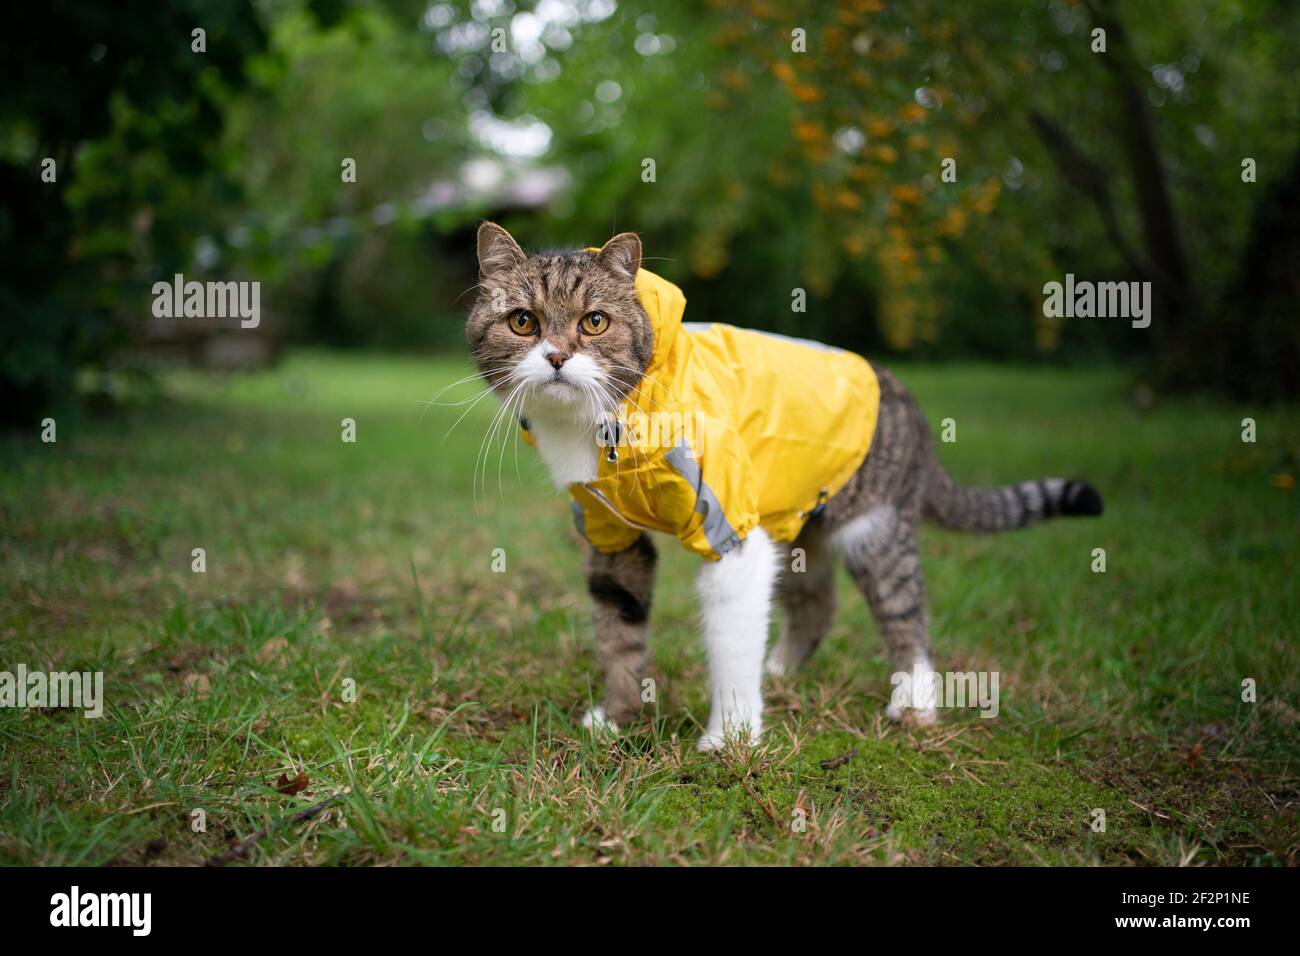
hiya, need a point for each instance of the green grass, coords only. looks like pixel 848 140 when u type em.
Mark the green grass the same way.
pixel 372 562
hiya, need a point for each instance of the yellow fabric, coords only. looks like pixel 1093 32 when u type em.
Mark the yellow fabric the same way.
pixel 770 427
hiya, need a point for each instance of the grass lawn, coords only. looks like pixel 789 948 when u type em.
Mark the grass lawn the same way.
pixel 333 566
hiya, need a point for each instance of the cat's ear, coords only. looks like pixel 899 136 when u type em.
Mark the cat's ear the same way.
pixel 622 254
pixel 497 250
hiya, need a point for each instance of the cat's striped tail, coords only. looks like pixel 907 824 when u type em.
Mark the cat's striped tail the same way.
pixel 1010 506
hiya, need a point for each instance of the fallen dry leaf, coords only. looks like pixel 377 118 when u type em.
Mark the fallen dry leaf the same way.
pixel 273 650
pixel 197 684
pixel 289 786
pixel 1282 710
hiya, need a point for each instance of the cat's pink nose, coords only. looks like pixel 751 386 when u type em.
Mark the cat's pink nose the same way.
pixel 558 358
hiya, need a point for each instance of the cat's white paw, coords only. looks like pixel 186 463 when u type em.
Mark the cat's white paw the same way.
pixel 775 664
pixel 712 740
pixel 915 699
pixel 922 716
pixel 708 743
pixel 596 721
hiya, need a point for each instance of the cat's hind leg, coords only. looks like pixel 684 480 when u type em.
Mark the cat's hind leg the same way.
pixel 880 552
pixel 806 593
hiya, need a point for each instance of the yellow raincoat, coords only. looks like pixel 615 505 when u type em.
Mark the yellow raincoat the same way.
pixel 729 429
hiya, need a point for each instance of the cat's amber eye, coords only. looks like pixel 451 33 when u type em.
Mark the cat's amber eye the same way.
pixel 523 322
pixel 593 323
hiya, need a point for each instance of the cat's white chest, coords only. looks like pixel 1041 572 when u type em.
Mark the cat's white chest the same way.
pixel 568 449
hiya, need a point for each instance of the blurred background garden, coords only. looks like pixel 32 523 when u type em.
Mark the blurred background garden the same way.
pixel 794 146
pixel 199 532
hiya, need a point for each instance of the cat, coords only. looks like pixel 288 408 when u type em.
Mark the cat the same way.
pixel 805 454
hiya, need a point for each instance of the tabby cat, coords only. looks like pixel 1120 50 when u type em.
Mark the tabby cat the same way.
pixel 798 453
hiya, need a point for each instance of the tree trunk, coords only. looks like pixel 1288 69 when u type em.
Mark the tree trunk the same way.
pixel 1178 303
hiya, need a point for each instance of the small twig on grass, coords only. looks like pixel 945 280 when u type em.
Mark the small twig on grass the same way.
pixel 839 761
pixel 238 851
pixel 1156 813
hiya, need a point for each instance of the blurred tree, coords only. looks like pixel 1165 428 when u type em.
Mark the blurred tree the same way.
pixel 128 111
pixel 805 145
pixel 1067 156
pixel 915 171
pixel 349 260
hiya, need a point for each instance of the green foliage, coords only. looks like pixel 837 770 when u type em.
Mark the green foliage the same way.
pixel 128 112
pixel 347 262
pixel 822 169
pixel 774 170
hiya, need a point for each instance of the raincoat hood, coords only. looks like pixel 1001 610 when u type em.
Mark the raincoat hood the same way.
pixel 665 306
pixel 729 429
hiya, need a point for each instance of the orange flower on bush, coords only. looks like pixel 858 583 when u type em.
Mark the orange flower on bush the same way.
pixel 984 196
pixel 735 80
pixel 855 245
pixel 953 223
pixel 783 72
pixel 708 256
pixel 807 132
pixel 906 193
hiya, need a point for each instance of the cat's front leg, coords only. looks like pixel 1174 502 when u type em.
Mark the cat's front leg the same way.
pixel 621 586
pixel 735 607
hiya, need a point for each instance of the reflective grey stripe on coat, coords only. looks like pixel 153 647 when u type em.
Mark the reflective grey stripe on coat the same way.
pixel 717 530
pixel 580 520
